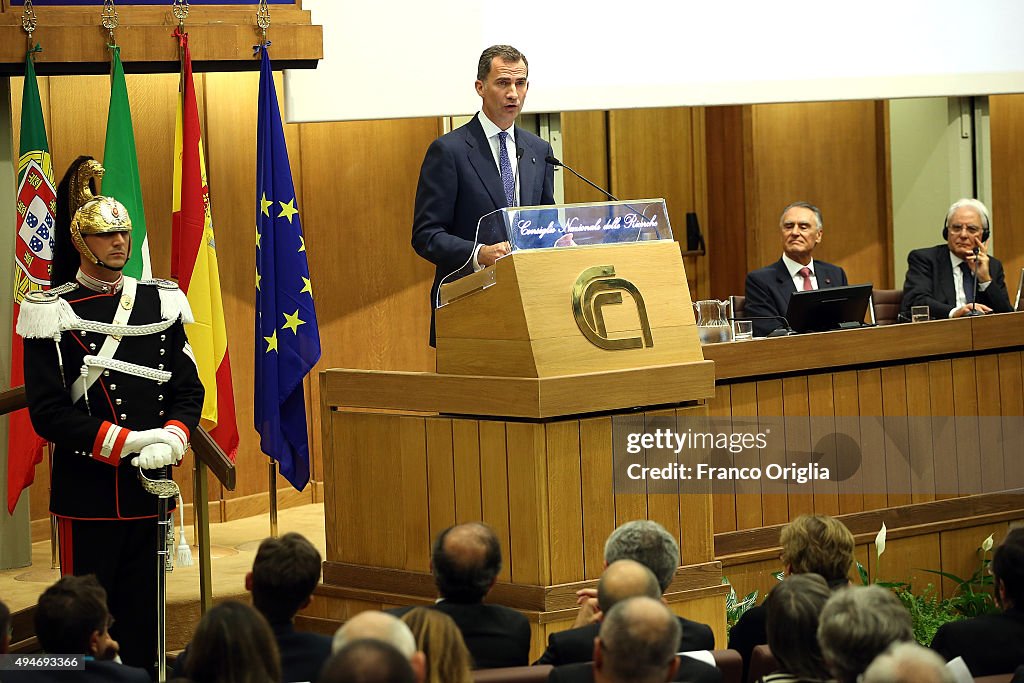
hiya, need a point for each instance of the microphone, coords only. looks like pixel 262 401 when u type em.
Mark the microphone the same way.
pixel 777 332
pixel 515 177
pixel 555 162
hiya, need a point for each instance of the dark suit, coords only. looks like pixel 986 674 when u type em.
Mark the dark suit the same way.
pixel 768 290
pixel 302 654
pixel 459 182
pixel 990 644
pixel 495 636
pixel 94 672
pixel 930 283
pixel 577 644
pixel 690 670
pixel 750 631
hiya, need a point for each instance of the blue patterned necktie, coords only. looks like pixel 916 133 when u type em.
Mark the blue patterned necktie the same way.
pixel 968 282
pixel 505 166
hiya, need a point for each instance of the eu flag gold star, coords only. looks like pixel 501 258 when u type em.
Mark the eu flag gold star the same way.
pixel 271 342
pixel 307 286
pixel 292 322
pixel 265 205
pixel 260 277
pixel 302 243
pixel 258 238
pixel 288 210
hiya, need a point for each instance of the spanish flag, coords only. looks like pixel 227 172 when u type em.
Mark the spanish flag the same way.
pixel 194 264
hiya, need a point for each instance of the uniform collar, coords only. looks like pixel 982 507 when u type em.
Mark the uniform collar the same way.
pixel 96 285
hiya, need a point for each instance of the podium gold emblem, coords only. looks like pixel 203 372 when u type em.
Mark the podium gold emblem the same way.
pixel 596 288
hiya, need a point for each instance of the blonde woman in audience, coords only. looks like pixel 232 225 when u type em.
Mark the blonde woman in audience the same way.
pixel 233 644
pixel 440 640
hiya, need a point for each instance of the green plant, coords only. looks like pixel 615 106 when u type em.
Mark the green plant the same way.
pixel 972 596
pixel 734 607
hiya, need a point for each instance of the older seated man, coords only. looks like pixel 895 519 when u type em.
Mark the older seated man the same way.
pixel 945 277
pixel 768 289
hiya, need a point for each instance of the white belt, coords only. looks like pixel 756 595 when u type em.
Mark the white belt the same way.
pixel 90 373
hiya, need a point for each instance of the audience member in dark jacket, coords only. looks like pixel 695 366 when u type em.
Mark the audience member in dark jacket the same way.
pixel 622 579
pixel 72 619
pixel 466 560
pixel 283 576
pixel 637 643
pixel 993 643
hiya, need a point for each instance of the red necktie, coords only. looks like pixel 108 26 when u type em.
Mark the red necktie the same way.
pixel 806 273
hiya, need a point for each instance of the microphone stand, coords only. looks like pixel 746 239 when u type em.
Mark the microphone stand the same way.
pixel 974 295
pixel 786 331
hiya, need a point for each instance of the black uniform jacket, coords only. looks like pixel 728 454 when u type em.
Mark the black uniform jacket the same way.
pixel 89 479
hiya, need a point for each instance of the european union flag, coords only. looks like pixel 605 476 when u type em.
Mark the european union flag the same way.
pixel 287 337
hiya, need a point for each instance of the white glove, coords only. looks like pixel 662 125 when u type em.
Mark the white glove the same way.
pixel 154 456
pixel 137 440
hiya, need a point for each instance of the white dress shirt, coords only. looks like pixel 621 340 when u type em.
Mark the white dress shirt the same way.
pixel 491 131
pixel 794 273
pixel 958 283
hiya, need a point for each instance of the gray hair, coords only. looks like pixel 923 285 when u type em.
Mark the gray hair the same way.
pixel 375 625
pixel 804 205
pixel 859 623
pixel 506 53
pixel 640 637
pixel 908 663
pixel 650 544
pixel 968 203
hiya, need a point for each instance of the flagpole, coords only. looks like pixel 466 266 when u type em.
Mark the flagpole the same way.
pixel 272 469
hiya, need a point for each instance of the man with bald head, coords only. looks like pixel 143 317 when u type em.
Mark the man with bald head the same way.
pixel 466 561
pixel 637 643
pixel 620 581
pixel 384 628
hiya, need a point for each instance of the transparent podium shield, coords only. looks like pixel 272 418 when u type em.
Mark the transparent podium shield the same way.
pixel 563 226
pixel 580 225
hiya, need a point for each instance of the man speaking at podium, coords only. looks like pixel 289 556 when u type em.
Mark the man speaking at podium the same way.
pixel 946 277
pixel 768 289
pixel 485 165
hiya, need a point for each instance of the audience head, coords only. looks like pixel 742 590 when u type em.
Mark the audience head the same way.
pixel 966 225
pixel 233 643
pixel 1008 569
pixel 859 623
pixel 793 608
pixel 367 661
pixel 283 576
pixel 387 628
pixel 439 639
pixel 72 618
pixel 802 227
pixel 5 628
pixel 465 560
pixel 648 543
pixel 625 579
pixel 908 663
pixel 818 544
pixel 637 642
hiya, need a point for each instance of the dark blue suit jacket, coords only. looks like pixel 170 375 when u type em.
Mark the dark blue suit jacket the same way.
pixel 930 283
pixel 768 290
pixel 459 182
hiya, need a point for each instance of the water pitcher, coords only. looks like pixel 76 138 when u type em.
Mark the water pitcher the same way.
pixel 713 321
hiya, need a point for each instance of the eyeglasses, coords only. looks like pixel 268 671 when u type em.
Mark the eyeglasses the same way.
pixel 958 228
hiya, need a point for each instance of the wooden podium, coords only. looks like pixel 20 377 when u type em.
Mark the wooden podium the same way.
pixel 518 428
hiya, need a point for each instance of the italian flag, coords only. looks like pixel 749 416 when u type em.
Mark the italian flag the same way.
pixel 121 179
pixel 194 264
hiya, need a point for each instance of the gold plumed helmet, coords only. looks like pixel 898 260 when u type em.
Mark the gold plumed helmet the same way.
pixel 93 214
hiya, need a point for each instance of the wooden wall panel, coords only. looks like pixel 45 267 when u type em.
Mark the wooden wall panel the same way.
pixel 821 402
pixel 727 144
pixel 660 153
pixel 897 435
pixel 724 500
pixel 798 438
pixel 919 438
pixel 1011 405
pixel 597 488
pixel 494 488
pixel 774 506
pixel 1006 131
pixel 564 501
pixel 826 153
pixel 748 493
pixel 961 554
pixel 585 148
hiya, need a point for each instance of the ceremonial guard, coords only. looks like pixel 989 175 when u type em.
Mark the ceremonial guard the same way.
pixel 111 381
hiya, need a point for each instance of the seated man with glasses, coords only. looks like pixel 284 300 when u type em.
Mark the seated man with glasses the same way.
pixel 945 277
